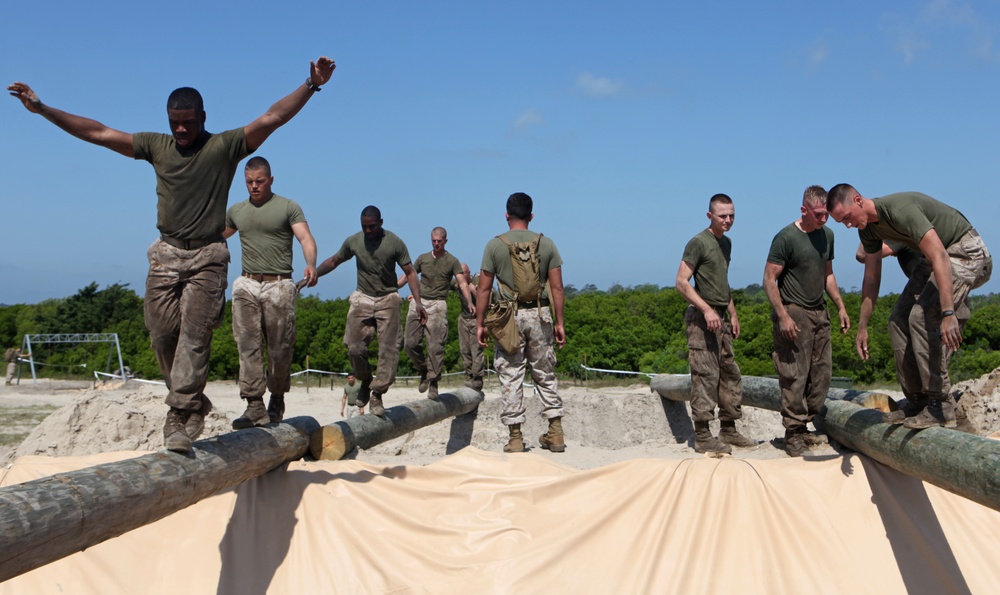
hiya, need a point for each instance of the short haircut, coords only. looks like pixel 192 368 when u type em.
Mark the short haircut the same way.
pixel 440 231
pixel 718 199
pixel 840 194
pixel 814 195
pixel 186 98
pixel 372 211
pixel 256 163
pixel 519 206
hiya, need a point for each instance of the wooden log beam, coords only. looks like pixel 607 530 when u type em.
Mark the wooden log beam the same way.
pixel 47 519
pixel 365 431
pixel 961 463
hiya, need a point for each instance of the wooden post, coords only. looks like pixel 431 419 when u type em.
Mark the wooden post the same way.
pixel 307 374
pixel 961 463
pixel 47 519
pixel 365 431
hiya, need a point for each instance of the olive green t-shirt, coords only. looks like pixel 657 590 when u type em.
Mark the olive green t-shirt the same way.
pixel 906 216
pixel 473 283
pixel 804 257
pixel 496 257
pixel 436 274
pixel 266 233
pixel 352 392
pixel 376 261
pixel 192 185
pixel 709 258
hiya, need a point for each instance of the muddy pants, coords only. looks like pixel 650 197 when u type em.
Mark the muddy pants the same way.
pixel 185 301
pixel 367 316
pixel 264 314
pixel 715 377
pixel 804 366
pixel 472 351
pixel 535 328
pixel 915 322
pixel 435 332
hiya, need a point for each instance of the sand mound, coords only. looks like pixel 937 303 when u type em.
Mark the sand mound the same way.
pixel 980 399
pixel 104 421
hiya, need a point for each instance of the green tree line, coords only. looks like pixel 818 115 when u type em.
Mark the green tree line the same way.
pixel 624 328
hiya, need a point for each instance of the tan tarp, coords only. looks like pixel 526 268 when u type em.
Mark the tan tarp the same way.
pixel 478 522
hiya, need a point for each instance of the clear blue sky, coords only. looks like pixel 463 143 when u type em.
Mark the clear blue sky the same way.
pixel 620 119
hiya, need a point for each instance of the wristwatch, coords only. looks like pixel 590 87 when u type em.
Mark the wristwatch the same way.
pixel 312 86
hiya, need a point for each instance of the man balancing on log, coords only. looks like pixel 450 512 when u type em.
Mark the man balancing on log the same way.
pixel 188 264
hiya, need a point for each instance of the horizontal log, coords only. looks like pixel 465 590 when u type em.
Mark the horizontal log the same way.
pixel 365 431
pixel 963 464
pixel 47 519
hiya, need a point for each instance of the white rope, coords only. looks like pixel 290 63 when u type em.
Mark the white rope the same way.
pixel 626 372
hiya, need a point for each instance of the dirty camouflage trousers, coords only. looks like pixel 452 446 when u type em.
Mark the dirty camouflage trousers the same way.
pixel 715 377
pixel 804 366
pixel 367 316
pixel 264 315
pixel 435 332
pixel 472 351
pixel 535 328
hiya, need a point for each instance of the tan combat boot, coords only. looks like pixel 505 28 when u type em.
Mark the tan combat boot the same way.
pixel 196 419
pixel 276 408
pixel 516 441
pixel 795 444
pixel 913 406
pixel 939 413
pixel 255 415
pixel 730 435
pixel 705 442
pixel 553 440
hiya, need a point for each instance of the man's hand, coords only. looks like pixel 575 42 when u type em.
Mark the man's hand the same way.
pixel 845 321
pixel 789 330
pixel 951 334
pixel 482 335
pixel 735 324
pixel 309 277
pixel 560 335
pixel 712 320
pixel 321 70
pixel 861 342
pixel 27 97
pixel 421 313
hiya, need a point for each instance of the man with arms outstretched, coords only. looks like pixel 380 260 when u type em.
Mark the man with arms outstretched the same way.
pixel 188 265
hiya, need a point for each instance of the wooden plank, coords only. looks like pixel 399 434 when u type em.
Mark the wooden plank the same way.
pixel 49 518
pixel 365 431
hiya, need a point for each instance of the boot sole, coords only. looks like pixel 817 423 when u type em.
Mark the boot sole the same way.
pixel 553 447
pixel 178 442
pixel 243 424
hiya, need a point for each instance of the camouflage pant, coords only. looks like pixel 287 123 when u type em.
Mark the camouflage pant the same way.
pixel 472 351
pixel 435 332
pixel 535 327
pixel 715 377
pixel 11 370
pixel 915 322
pixel 366 316
pixel 185 301
pixel 264 314
pixel 804 366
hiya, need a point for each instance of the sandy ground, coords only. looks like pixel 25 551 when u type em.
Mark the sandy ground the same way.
pixel 603 424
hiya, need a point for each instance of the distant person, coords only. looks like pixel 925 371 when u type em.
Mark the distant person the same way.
pixel 349 402
pixel 909 261
pixel 374 306
pixel 926 324
pixel 264 294
pixel 715 376
pixel 472 351
pixel 188 265
pixel 11 356
pixel 799 269
pixel 534 321
pixel 436 269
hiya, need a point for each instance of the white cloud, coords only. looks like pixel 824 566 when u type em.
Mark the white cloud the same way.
pixel 594 86
pixel 528 118
pixel 939 22
pixel 818 52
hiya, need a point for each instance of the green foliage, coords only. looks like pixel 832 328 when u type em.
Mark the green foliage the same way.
pixel 630 329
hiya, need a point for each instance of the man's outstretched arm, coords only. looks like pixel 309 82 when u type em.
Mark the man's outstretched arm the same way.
pixel 285 109
pixel 82 128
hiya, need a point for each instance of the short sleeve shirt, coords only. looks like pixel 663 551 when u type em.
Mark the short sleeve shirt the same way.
pixel 376 261
pixel 436 274
pixel 906 216
pixel 473 283
pixel 352 392
pixel 804 257
pixel 192 185
pixel 709 257
pixel 496 256
pixel 266 233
